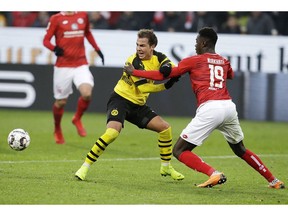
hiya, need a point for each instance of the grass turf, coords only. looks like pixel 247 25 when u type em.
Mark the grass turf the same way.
pixel 128 171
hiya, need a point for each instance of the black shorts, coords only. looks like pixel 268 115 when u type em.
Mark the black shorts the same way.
pixel 120 109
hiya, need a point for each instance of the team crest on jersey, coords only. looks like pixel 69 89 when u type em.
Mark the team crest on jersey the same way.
pixel 114 112
pixel 74 26
pixel 80 20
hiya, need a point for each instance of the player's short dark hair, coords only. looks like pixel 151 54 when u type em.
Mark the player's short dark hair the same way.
pixel 210 34
pixel 148 33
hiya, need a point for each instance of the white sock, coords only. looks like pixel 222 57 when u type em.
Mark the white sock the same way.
pixel 86 164
pixel 165 163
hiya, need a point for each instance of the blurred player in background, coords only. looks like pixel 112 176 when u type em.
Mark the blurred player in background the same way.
pixel 69 30
pixel 128 102
pixel 208 75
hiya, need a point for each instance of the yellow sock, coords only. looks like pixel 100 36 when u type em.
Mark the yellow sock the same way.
pixel 165 145
pixel 101 144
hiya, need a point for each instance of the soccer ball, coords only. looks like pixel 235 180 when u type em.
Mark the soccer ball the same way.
pixel 18 139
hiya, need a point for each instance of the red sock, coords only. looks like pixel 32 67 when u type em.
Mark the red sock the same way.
pixel 82 106
pixel 196 163
pixel 57 113
pixel 254 161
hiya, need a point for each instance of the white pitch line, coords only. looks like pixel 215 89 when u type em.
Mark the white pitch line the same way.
pixel 133 159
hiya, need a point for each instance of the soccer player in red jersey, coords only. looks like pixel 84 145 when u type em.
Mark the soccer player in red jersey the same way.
pixel 69 30
pixel 208 75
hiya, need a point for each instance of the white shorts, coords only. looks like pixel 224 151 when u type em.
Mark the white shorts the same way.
pixel 65 76
pixel 214 114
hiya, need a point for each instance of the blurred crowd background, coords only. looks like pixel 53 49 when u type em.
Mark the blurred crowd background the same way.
pixel 257 23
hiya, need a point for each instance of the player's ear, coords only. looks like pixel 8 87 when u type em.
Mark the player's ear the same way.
pixel 204 43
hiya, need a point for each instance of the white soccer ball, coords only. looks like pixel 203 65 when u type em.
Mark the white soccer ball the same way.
pixel 18 139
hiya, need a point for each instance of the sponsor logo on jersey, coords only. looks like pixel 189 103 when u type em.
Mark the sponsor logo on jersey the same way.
pixel 80 20
pixel 71 34
pixel 74 26
pixel 127 80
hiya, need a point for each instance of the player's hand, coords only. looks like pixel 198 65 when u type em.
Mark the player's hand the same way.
pixel 171 82
pixel 100 55
pixel 58 51
pixel 166 69
pixel 128 68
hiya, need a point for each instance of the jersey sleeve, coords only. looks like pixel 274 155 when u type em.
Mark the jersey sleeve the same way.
pixel 156 75
pixel 50 31
pixel 230 73
pixel 89 35
pixel 151 87
pixel 185 65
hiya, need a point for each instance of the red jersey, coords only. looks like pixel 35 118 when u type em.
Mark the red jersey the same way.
pixel 208 75
pixel 69 31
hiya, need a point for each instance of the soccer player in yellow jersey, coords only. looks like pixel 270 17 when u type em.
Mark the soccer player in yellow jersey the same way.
pixel 128 102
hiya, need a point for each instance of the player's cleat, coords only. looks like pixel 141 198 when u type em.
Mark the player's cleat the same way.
pixel 277 184
pixel 58 136
pixel 80 129
pixel 217 178
pixel 169 170
pixel 82 172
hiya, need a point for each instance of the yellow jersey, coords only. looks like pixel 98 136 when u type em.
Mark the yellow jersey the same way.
pixel 137 89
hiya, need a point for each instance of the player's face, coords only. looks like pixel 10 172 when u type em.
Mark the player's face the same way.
pixel 143 49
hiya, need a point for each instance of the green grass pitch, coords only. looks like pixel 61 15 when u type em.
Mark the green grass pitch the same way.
pixel 128 171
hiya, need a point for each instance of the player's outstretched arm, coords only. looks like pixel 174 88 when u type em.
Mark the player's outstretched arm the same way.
pixel 154 75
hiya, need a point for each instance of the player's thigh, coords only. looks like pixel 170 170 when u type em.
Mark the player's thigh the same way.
pixel 82 75
pixel 202 125
pixel 232 130
pixel 116 108
pixel 157 124
pixel 62 82
pixel 140 115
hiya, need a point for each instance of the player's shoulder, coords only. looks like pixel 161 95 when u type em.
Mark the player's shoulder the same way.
pixel 131 58
pixel 161 56
pixel 56 16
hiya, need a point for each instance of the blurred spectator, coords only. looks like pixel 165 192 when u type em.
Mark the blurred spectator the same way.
pixel 172 22
pixel 263 23
pixel 42 19
pixel 113 19
pixel 218 17
pixel 231 26
pixel 280 20
pixel 202 19
pixel 242 20
pixel 98 21
pixel 126 21
pixel 22 19
pixel 260 23
pixel 3 20
pixel 144 19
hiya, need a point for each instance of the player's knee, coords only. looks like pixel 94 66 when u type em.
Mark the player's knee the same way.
pixel 86 97
pixel 166 131
pixel 112 133
pixel 238 148
pixel 61 103
pixel 178 148
pixel 176 152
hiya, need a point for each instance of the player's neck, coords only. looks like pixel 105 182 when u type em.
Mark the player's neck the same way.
pixel 67 13
pixel 212 51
